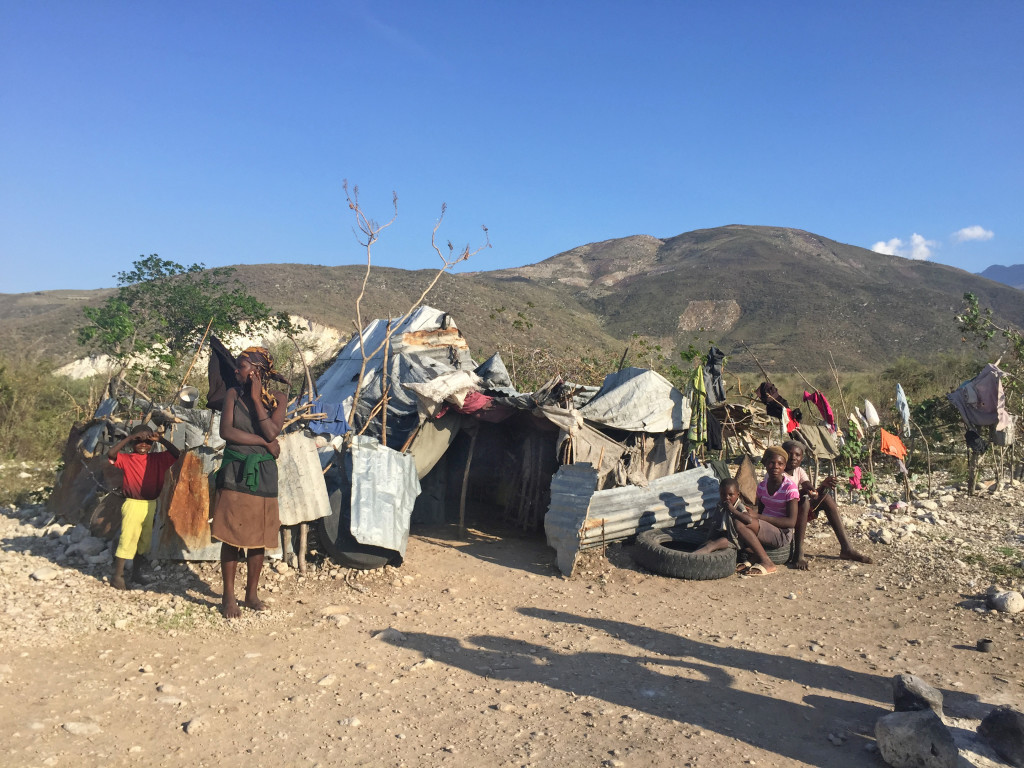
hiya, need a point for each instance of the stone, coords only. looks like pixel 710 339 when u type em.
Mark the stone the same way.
pixel 1003 728
pixel 90 546
pixel 928 504
pixel 81 729
pixel 46 573
pixel 915 740
pixel 333 611
pixel 327 680
pixel 885 536
pixel 1007 602
pixel 912 694
pixel 194 726
pixel 389 635
pixel 78 533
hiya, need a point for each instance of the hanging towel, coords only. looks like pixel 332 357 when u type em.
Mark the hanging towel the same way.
pixel 893 446
pixel 904 408
pixel 871 415
pixel 823 406
pixel 855 480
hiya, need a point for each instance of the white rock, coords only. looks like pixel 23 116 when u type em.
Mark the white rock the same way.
pixel 90 546
pixel 926 504
pixel 194 725
pixel 1008 602
pixel 81 729
pixel 389 635
pixel 46 573
pixel 327 680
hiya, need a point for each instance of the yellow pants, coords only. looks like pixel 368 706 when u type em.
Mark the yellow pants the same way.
pixel 136 528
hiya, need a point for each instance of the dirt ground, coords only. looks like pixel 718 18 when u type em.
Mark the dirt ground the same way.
pixel 478 652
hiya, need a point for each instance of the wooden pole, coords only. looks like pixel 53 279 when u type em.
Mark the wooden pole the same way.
pixel 196 357
pixel 303 540
pixel 465 484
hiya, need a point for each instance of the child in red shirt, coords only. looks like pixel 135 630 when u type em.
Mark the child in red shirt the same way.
pixel 144 473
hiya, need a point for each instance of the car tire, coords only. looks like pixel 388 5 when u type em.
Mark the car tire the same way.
pixel 670 553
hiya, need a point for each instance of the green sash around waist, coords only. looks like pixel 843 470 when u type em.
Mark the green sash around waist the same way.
pixel 250 466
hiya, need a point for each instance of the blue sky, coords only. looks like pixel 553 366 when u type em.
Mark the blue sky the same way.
pixel 220 132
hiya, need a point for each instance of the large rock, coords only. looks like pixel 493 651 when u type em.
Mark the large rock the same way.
pixel 90 546
pixel 1003 728
pixel 912 694
pixel 1007 602
pixel 915 740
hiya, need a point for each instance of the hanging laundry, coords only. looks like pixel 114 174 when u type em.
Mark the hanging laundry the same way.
pixel 698 431
pixel 823 406
pixel 855 428
pixel 714 431
pixel 858 419
pixel 791 420
pixel 975 442
pixel 904 408
pixel 892 445
pixel 713 377
pixel 773 401
pixel 855 479
pixel 871 415
pixel 981 401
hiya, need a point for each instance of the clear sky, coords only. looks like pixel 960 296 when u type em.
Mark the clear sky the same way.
pixel 220 132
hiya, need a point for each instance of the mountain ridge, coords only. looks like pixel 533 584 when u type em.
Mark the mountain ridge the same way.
pixel 791 296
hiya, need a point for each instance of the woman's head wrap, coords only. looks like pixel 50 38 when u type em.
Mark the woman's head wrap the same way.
pixel 261 359
pixel 774 450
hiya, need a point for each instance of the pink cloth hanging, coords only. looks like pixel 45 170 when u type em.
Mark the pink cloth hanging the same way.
pixel 823 406
pixel 855 481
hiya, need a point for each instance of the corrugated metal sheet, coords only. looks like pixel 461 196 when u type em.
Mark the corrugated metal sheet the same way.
pixel 581 517
pixel 181 528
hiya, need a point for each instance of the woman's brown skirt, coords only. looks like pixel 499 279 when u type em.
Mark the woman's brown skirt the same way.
pixel 245 521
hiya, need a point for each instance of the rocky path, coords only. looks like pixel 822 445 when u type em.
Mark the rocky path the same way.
pixel 479 653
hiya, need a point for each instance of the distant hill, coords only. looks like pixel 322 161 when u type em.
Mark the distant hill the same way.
pixel 791 296
pixel 1012 275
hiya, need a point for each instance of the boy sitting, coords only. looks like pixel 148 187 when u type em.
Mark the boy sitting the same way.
pixel 144 473
pixel 732 517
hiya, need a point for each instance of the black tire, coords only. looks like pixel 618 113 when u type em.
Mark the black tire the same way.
pixel 778 556
pixel 668 553
pixel 335 532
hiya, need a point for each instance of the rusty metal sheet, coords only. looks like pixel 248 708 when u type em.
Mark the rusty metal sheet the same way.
pixel 185 505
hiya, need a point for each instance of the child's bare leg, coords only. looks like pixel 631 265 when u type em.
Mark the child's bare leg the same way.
pixel 713 545
pixel 749 538
pixel 846 551
pixel 228 566
pixel 797 559
pixel 117 577
pixel 253 566
pixel 139 566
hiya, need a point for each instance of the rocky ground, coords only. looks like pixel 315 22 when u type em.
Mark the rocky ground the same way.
pixel 478 652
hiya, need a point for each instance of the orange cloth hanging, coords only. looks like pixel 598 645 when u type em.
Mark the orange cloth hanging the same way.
pixel 893 446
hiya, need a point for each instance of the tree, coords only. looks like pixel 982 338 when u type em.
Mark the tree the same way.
pixel 161 310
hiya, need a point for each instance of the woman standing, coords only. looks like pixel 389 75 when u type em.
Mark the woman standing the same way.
pixel 245 515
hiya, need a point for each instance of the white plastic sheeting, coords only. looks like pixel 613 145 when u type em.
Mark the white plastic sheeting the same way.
pixel 338 383
pixel 447 388
pixel 638 400
pixel 301 490
pixel 384 490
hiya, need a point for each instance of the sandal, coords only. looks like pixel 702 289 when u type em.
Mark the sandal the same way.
pixel 758 570
pixel 743 566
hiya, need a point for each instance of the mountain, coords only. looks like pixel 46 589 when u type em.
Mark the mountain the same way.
pixel 790 296
pixel 1012 275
